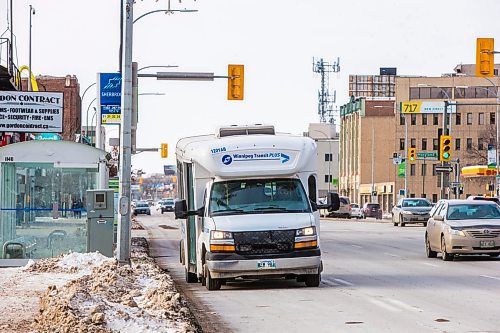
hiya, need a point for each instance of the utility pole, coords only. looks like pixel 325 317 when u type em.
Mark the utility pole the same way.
pixel 445 176
pixel 124 227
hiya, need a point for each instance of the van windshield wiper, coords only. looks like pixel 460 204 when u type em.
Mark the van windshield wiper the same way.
pixel 281 209
pixel 228 211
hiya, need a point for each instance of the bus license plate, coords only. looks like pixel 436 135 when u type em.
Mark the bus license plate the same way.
pixel 487 243
pixel 266 264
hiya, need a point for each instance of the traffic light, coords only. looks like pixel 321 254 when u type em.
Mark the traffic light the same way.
pixel 412 155
pixel 235 82
pixel 164 150
pixel 485 62
pixel 445 148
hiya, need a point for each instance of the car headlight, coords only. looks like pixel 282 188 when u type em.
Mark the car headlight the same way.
pixel 405 212
pixel 308 231
pixel 216 234
pixel 456 232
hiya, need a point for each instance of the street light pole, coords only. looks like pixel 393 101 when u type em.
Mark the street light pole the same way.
pixel 30 88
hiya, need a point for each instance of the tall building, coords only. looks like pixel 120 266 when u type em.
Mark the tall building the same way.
pixel 366 140
pixel 327 142
pixel 374 131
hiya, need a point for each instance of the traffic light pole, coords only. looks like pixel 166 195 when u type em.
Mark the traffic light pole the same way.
pixel 445 176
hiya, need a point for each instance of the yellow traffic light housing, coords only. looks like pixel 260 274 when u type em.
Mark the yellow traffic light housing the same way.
pixel 412 155
pixel 445 148
pixel 485 63
pixel 235 82
pixel 164 150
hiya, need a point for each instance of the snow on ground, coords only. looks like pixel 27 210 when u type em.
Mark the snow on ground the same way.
pixel 92 293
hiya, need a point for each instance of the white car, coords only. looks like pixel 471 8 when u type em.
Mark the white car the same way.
pixel 356 211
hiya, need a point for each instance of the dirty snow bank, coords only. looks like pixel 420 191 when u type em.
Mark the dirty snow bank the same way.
pixel 113 298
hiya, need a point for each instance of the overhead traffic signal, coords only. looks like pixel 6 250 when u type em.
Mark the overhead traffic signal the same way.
pixel 485 63
pixel 235 82
pixel 164 150
pixel 412 155
pixel 445 148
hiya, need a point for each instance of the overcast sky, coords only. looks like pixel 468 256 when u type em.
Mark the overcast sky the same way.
pixel 275 40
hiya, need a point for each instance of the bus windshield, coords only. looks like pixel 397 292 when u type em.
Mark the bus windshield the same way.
pixel 258 196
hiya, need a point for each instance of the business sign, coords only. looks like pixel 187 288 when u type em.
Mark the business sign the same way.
pixel 33 112
pixel 492 157
pixel 110 96
pixel 426 107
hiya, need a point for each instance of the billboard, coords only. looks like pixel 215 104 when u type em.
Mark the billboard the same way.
pixel 110 96
pixel 426 107
pixel 34 112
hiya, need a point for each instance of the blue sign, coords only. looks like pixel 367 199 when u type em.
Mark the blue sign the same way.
pixel 226 159
pixel 110 97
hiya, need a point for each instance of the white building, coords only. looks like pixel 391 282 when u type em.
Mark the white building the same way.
pixel 327 140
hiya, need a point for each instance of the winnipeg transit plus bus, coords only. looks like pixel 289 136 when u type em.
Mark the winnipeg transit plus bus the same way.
pixel 249 206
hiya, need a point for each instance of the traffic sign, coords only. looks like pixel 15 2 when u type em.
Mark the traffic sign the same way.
pixel 427 154
pixel 442 168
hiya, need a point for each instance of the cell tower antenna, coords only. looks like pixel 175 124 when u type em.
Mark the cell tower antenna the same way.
pixel 325 98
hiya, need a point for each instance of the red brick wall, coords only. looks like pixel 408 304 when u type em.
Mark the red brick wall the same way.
pixel 72 102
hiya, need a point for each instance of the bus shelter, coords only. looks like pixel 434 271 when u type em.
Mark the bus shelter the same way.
pixel 43 188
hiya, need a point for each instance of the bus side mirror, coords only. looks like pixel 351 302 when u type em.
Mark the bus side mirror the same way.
pixel 333 201
pixel 180 209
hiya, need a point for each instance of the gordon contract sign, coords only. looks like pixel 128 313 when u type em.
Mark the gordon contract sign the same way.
pixel 31 111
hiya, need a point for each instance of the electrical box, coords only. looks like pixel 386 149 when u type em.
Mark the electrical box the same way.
pixel 100 221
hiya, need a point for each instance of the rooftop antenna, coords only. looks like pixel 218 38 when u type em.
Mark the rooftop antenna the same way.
pixel 325 99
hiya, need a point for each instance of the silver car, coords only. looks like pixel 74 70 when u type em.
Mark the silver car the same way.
pixel 411 210
pixel 463 227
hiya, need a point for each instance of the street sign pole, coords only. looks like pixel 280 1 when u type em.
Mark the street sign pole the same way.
pixel 124 225
pixel 444 176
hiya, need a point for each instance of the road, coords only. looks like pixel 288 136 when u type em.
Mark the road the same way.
pixel 376 278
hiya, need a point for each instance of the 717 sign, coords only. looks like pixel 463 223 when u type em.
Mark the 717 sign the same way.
pixel 410 107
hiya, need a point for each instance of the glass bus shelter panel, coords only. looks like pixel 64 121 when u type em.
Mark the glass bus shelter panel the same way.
pixel 43 209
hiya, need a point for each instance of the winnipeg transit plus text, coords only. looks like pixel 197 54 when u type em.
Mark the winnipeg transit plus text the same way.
pixel 31 111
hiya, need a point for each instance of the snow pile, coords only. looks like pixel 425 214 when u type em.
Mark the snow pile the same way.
pixel 68 263
pixel 113 298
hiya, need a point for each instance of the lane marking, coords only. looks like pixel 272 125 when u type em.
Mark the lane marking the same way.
pixel 428 264
pixel 384 305
pixel 392 255
pixel 344 282
pixel 404 305
pixel 490 277
pixel 356 246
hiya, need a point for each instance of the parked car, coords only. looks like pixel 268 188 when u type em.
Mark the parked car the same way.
pixel 344 210
pixel 167 205
pixel 356 211
pixel 411 210
pixel 372 210
pixel 463 227
pixel 479 197
pixel 142 207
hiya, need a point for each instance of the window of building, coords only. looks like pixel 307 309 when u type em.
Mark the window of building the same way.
pixel 469 143
pixel 424 144
pixel 401 119
pixel 480 145
pixel 469 118
pixel 424 169
pixel 412 169
pixel 414 93
pixel 328 157
pixel 413 119
pixel 435 144
pixel 435 119
pixel 413 143
pixel 424 93
pixel 412 195
pixel 492 118
pixel 424 119
pixel 434 197
pixel 423 195
pixel 434 169
pixel 458 119
pixel 457 144
pixel 480 118
pixel 328 178
pixel 401 144
pixel 492 142
pixel 440 93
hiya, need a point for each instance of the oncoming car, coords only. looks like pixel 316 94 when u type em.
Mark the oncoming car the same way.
pixel 411 210
pixel 142 207
pixel 463 227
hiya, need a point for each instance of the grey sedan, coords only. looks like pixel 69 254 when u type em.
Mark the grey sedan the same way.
pixel 411 210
